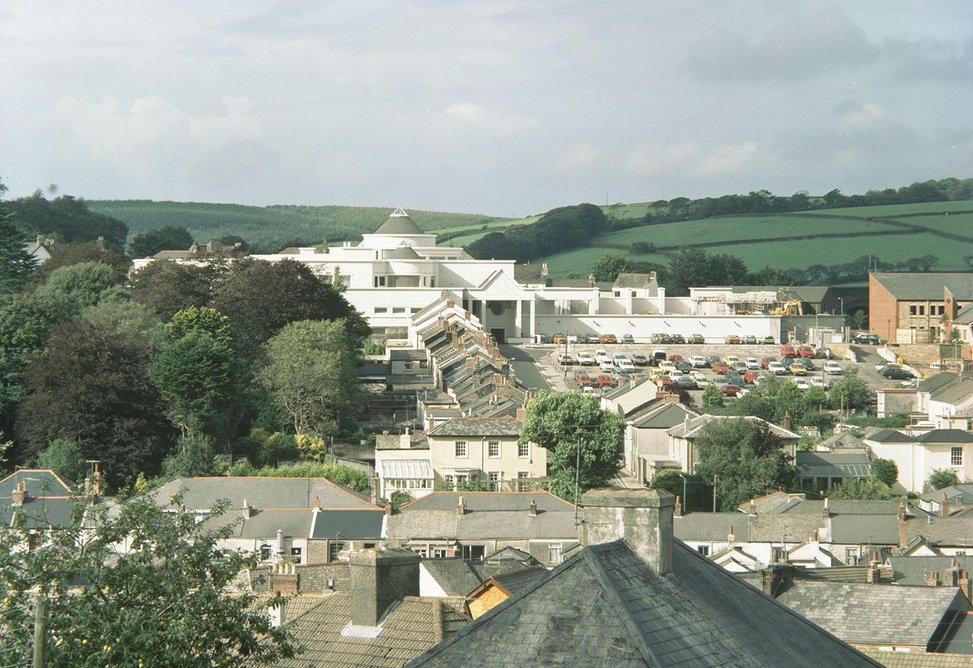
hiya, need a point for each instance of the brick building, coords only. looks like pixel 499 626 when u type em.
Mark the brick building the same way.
pixel 916 307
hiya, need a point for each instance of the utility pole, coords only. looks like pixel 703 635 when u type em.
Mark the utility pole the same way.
pixel 715 480
pixel 40 630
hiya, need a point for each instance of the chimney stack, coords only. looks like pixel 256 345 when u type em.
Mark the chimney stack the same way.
pixel 640 517
pixel 532 508
pixel 943 506
pixel 903 527
pixel 461 507
pixel 753 507
pixel 380 578
pixel 786 422
pixel 933 579
pixel 247 510
pixel 677 508
pixel 317 503
pixel 19 495
pixel 730 536
pixel 276 612
pixel 826 513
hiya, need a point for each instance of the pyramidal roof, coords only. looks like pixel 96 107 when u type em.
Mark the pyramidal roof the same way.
pixel 399 223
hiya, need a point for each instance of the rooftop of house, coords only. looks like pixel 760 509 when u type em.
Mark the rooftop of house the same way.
pixel 926 285
pixel 955 530
pixel 916 570
pixel 842 440
pixel 458 577
pixel 690 429
pixel 889 436
pixel 964 316
pixel 478 426
pixel 409 628
pixel 262 493
pixel 961 494
pixel 891 659
pixel 944 436
pixel 644 281
pixel 873 614
pixel 834 464
pixel 606 606
pixel 48 500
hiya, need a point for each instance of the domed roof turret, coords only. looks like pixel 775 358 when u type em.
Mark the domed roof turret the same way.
pixel 398 223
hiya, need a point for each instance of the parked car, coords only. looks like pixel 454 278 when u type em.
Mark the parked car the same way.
pixel 769 341
pixel 676 373
pixel 684 366
pixel 696 339
pixel 787 350
pixel 740 367
pixel 625 365
pixel 601 355
pixel 607 338
pixel 619 356
pixel 806 351
pixel 807 363
pixel 686 382
pixel 750 339
pixel 665 366
pixel 777 369
pixel 752 363
pixel 751 376
pixel 658 356
pixel 584 338
pixel 605 380
pixel 607 365
pixel 720 367
pixel 713 359
pixel 588 389
pixel 628 338
pixel 559 339
pixel 895 372
pixel 698 376
pixel 801 383
pixel 797 369
pixel 638 359
pixel 585 359
pixel 832 367
pixel 698 361
pixel 866 339
pixel 677 338
pixel 730 360
pixel 729 389
pixel 582 379
pixel 816 381
pixel 565 358
pixel 731 339
pixel 660 338
pixel 765 362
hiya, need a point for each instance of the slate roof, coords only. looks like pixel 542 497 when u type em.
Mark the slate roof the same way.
pixel 489 515
pixel 964 316
pixel 890 436
pixel 399 223
pixel 915 570
pixel 937 381
pixel 926 285
pixel 945 436
pixel 842 440
pixel 49 501
pixel 865 529
pixel 698 423
pixel 408 629
pixel 400 253
pixel 459 577
pixel 348 523
pixel 918 659
pixel 777 501
pixel 955 494
pixel 636 281
pixel 711 527
pixel 834 464
pixel 606 607
pixel 662 415
pixel 479 426
pixel 848 507
pixel 407 355
pixel 872 614
pixel 514 582
pixel 260 492
pixel 531 274
pixel 956 530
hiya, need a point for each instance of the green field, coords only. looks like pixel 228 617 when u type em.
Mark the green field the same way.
pixel 267 228
pixel 738 236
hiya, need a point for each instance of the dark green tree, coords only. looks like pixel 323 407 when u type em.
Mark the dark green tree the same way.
pixel 885 471
pixel 941 478
pixel 260 298
pixel 851 392
pixel 165 286
pixel 150 242
pixel 63 255
pixel 92 386
pixel 148 587
pixel 862 490
pixel 66 219
pixel 698 492
pixel 584 443
pixel 193 456
pixel 85 283
pixel 745 457
pixel 64 457
pixel 16 264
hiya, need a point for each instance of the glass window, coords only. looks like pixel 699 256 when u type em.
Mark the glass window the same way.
pixel 333 551
pixel 494 481
pixel 296 552
pixel 461 450
pixel 956 455
pixel 493 448
pixel 703 550
pixel 381 309
pixel 554 553
pixel 473 552
pixel 523 449
pixel 265 553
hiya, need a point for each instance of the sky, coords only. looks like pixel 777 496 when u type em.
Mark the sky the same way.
pixel 489 106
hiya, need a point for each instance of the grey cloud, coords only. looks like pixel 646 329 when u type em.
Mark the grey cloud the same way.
pixel 922 60
pixel 798 48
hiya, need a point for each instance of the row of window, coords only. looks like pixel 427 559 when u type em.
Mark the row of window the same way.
pixel 408 483
pixel 555 552
pixel 920 309
pixel 956 455
pixel 396 310
pixel 461 449
pixel 495 479
pixel 424 282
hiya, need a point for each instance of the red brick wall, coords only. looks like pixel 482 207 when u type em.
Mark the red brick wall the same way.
pixel 883 315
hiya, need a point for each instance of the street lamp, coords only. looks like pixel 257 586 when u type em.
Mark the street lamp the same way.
pixel 685 506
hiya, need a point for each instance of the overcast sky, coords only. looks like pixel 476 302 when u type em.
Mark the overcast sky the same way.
pixel 496 107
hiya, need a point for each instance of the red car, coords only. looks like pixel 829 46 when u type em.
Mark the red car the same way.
pixel 605 380
pixel 720 368
pixel 750 376
pixel 675 359
pixel 806 351
pixel 729 389
pixel 765 362
pixel 607 338
pixel 787 350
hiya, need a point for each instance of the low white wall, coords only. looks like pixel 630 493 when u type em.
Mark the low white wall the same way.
pixel 713 328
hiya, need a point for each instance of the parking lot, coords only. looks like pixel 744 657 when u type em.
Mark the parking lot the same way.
pixel 561 377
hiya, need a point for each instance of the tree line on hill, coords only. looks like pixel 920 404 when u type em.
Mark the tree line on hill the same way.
pixel 557 230
pixel 161 372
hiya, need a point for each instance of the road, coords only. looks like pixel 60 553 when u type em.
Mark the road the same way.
pixel 524 362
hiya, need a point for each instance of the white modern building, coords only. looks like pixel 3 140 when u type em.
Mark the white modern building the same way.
pixel 398 270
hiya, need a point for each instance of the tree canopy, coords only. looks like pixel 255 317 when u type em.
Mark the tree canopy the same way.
pixel 147 587
pixel 150 242
pixel 66 219
pixel 558 229
pixel 584 442
pixel 745 456
pixel 16 264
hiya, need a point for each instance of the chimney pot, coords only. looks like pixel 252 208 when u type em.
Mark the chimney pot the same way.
pixel 532 509
pixel 461 507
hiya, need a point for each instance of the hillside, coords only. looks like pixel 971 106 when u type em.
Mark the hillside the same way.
pixel 893 233
pixel 268 228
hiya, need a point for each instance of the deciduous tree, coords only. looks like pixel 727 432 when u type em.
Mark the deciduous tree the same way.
pixel 147 587
pixel 16 264
pixel 311 373
pixel 745 456
pixel 584 442
pixel 166 286
pixel 941 478
pixel 85 283
pixel 150 242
